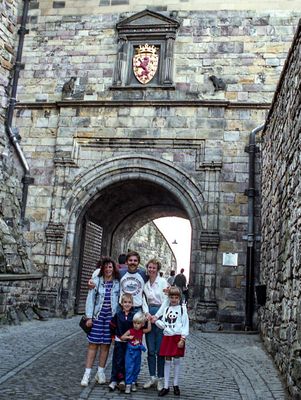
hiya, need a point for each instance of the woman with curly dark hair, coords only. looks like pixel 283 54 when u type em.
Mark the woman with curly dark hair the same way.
pixel 101 305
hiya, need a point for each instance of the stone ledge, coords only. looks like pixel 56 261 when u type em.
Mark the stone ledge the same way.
pixel 20 277
pixel 143 103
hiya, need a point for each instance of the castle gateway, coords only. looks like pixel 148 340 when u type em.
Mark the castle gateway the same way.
pixel 130 116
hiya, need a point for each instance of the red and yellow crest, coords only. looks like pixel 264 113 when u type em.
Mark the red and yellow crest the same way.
pixel 145 63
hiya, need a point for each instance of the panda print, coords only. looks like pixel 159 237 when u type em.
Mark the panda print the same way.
pixel 171 318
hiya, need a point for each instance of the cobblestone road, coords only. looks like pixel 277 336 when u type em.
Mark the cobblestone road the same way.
pixel 45 360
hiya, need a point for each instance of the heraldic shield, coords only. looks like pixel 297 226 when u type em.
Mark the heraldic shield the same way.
pixel 145 63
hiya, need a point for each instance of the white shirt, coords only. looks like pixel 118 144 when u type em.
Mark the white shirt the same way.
pixel 175 321
pixel 154 291
pixel 133 283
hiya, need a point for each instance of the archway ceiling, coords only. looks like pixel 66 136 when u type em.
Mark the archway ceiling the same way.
pixel 128 205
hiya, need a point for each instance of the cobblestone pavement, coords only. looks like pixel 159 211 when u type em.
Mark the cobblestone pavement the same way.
pixel 45 360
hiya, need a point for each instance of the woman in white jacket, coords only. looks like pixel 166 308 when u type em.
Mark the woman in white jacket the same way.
pixel 175 325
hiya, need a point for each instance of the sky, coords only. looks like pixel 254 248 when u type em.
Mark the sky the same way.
pixel 179 229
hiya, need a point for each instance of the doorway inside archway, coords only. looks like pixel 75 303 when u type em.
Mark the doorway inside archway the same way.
pixel 169 240
pixel 111 219
pixel 177 232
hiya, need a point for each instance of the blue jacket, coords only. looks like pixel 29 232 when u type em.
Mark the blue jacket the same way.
pixel 119 324
pixel 100 297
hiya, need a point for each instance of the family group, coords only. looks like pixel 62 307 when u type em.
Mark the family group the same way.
pixel 121 307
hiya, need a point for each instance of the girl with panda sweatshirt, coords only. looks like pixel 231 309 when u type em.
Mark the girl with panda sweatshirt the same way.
pixel 175 325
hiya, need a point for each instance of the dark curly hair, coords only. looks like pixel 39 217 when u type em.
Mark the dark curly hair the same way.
pixel 105 260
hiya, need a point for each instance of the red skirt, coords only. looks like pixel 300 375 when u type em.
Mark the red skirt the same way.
pixel 169 347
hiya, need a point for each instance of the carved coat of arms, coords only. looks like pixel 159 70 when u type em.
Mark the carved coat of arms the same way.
pixel 145 63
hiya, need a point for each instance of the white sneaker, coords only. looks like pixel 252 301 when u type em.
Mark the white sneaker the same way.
pixel 127 389
pixel 160 384
pixel 151 382
pixel 100 377
pixel 134 387
pixel 86 379
pixel 112 386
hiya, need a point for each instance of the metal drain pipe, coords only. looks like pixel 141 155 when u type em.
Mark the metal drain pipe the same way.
pixel 251 193
pixel 13 137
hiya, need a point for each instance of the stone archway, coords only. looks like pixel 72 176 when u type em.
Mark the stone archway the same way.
pixel 122 194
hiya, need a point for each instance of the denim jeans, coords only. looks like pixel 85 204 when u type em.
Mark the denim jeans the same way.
pixel 153 342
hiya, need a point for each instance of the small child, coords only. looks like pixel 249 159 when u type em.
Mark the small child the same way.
pixel 175 325
pixel 134 337
pixel 120 323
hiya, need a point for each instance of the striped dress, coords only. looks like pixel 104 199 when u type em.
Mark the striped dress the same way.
pixel 100 332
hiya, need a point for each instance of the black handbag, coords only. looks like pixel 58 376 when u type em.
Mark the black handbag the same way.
pixel 84 319
pixel 82 324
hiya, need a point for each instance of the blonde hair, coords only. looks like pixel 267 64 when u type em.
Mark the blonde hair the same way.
pixel 126 296
pixel 139 317
pixel 174 291
pixel 156 262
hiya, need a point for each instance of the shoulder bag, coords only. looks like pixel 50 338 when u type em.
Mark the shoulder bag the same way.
pixel 84 319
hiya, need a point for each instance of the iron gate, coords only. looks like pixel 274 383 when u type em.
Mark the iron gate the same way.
pixel 91 251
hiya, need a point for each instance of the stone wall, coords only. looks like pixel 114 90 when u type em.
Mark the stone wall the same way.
pixel 281 223
pixel 185 143
pixel 150 243
pixel 15 296
pixel 189 138
pixel 244 48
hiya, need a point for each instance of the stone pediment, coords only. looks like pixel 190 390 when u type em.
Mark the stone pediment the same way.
pixel 147 19
pixel 146 28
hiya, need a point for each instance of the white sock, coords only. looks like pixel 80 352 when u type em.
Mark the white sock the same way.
pixel 166 373
pixel 176 362
pixel 101 369
pixel 88 371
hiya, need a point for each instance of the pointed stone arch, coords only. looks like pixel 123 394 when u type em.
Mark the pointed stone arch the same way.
pixel 184 198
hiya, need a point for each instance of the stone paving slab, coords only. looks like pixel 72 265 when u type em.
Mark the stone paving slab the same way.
pixel 45 360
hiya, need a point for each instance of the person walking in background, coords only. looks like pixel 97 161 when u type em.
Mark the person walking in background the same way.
pixel 175 325
pixel 171 278
pixel 122 262
pixel 120 323
pixel 154 291
pixel 181 282
pixel 103 300
pixel 134 349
